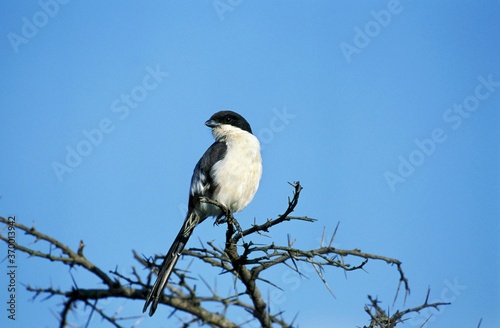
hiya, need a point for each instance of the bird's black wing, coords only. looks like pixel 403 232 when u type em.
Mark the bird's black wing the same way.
pixel 202 183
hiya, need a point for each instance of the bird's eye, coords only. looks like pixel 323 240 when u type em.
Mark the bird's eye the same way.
pixel 229 119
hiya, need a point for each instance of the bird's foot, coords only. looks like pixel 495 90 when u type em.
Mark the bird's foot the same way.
pixel 225 216
pixel 221 219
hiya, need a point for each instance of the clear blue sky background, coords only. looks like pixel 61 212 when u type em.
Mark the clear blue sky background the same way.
pixel 340 93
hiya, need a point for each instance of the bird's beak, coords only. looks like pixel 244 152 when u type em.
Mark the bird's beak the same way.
pixel 211 123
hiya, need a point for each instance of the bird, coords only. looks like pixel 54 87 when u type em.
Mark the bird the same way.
pixel 228 173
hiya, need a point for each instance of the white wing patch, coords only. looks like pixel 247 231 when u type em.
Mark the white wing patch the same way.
pixel 199 185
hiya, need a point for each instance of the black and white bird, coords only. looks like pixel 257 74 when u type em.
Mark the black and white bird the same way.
pixel 228 172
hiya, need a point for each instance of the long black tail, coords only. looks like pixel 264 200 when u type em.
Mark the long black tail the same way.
pixel 169 262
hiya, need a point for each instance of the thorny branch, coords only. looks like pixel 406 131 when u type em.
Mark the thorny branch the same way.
pixel 244 261
pixel 381 318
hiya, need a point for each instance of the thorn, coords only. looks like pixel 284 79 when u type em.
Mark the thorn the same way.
pixel 80 248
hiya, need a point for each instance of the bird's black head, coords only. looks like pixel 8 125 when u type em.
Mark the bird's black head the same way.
pixel 230 118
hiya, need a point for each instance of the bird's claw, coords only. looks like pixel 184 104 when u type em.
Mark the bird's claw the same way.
pixel 221 219
pixel 226 213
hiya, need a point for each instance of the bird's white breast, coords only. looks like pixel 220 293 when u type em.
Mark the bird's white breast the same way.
pixel 238 173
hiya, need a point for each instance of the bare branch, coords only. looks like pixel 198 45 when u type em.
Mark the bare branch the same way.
pixel 281 218
pixel 242 262
pixel 68 257
pixel 381 318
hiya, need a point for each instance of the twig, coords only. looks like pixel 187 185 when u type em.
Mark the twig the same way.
pixel 244 262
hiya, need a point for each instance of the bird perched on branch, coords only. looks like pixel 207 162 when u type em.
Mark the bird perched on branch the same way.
pixel 228 173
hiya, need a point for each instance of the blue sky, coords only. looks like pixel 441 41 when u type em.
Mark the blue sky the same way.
pixel 386 111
